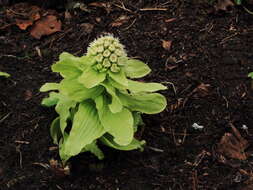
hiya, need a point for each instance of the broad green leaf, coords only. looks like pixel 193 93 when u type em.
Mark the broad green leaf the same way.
pixel 49 86
pixel 238 2
pixel 115 105
pixel 137 120
pixel 62 151
pixel 67 66
pixel 136 87
pixel 119 77
pixel 4 74
pixel 134 144
pixel 51 100
pixel 77 92
pixel 146 103
pixel 63 109
pixel 99 102
pixel 85 129
pixel 119 125
pixel 94 149
pixel 116 84
pixel 91 78
pixel 136 69
pixel 55 130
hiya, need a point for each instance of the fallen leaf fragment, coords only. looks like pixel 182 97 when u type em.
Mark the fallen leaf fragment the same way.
pixel 87 27
pixel 233 145
pixel 224 5
pixel 28 95
pixel 170 20
pixel 23 24
pixel 45 26
pixel 166 44
pixel 201 90
pixel 121 20
pixel 58 169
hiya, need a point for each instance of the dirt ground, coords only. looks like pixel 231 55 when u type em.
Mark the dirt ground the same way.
pixel 203 57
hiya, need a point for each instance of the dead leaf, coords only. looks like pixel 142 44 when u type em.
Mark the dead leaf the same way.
pixel 28 95
pixel 23 24
pixel 120 20
pixel 166 44
pixel 201 90
pixel 58 169
pixel 233 145
pixel 224 5
pixel 87 27
pixel 170 20
pixel 45 26
pixel 106 6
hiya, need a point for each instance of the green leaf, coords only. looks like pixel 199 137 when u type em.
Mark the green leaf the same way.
pixel 136 69
pixel 119 125
pixel 116 84
pixel 146 103
pixel 62 151
pixel 68 66
pixel 136 87
pixel 134 144
pixel 52 100
pixel 4 74
pixel 91 78
pixel 119 77
pixel 99 102
pixel 251 75
pixel 94 149
pixel 63 109
pixel 86 128
pixel 137 120
pixel 55 130
pixel 238 2
pixel 77 92
pixel 115 105
pixel 49 86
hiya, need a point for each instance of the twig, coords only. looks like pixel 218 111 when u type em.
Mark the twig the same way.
pixel 154 9
pixel 155 149
pixel 123 7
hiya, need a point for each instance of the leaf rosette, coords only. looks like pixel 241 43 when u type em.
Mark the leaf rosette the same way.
pixel 99 100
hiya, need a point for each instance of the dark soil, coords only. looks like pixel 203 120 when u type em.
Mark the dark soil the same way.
pixel 209 50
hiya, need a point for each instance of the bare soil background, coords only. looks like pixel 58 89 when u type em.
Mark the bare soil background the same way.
pixel 203 57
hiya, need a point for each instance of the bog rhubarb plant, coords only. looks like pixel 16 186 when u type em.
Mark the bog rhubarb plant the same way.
pixel 98 101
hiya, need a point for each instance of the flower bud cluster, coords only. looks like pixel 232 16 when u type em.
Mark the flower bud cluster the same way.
pixel 109 54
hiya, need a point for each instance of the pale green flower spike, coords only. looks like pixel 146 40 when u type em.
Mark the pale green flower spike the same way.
pixel 107 47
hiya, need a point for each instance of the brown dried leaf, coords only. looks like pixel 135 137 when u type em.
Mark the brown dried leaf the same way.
pixel 28 95
pixel 201 90
pixel 233 145
pixel 23 24
pixel 46 26
pixel 120 20
pixel 170 20
pixel 58 169
pixel 166 44
pixel 223 5
pixel 105 5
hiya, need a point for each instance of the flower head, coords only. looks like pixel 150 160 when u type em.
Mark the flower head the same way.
pixel 108 53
